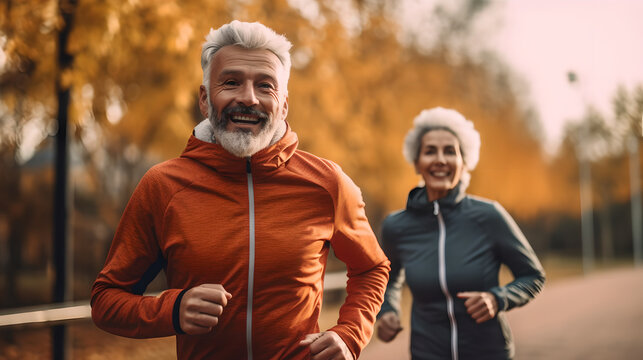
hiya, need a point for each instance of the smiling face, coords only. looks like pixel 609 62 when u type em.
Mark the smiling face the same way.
pixel 247 98
pixel 439 162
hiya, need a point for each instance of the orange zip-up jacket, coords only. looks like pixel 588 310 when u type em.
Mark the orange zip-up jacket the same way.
pixel 261 227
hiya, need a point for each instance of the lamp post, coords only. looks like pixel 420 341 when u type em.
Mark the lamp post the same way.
pixel 587 214
pixel 585 184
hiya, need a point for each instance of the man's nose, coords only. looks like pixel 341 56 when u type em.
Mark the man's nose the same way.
pixel 247 95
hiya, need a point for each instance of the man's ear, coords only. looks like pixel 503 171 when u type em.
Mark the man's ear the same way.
pixel 203 101
pixel 285 109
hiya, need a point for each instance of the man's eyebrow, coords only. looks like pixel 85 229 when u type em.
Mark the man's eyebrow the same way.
pixel 233 72
pixel 228 72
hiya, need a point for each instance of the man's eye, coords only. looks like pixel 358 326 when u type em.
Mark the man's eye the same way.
pixel 230 83
pixel 266 86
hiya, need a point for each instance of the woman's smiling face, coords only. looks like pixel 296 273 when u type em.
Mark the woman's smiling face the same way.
pixel 439 162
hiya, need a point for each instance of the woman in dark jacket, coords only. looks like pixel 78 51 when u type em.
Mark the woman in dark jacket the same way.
pixel 449 246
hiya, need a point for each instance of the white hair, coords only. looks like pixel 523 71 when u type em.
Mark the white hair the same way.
pixel 255 36
pixel 439 118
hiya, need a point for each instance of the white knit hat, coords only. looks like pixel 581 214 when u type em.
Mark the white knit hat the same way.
pixel 436 118
pixel 453 121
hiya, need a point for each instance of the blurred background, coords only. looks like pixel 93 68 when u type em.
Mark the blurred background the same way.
pixel 93 93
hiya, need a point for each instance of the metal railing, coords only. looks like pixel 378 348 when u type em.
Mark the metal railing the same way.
pixel 52 314
pixel 46 314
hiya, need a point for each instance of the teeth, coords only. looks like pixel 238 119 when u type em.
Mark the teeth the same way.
pixel 245 119
pixel 440 174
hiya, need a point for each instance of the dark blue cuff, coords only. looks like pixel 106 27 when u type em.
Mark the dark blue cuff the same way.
pixel 175 313
pixel 502 302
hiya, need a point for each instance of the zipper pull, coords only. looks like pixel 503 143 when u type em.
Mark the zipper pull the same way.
pixel 436 208
pixel 248 168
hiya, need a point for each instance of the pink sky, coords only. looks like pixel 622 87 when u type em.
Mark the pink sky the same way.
pixel 600 40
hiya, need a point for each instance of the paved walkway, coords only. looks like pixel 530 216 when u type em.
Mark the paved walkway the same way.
pixel 595 317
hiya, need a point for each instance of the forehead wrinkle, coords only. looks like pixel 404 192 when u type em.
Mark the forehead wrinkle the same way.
pixel 440 138
pixel 439 143
pixel 233 56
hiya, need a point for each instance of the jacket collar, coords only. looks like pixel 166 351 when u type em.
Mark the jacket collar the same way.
pixel 419 201
pixel 219 159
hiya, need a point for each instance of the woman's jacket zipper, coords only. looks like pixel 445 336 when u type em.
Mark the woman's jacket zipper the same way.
pixel 443 279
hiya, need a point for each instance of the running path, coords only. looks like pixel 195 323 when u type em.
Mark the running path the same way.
pixel 595 317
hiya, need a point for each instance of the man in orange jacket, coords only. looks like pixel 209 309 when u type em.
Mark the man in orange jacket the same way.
pixel 242 223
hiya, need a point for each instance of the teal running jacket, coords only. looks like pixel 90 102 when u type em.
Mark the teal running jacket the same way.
pixel 456 244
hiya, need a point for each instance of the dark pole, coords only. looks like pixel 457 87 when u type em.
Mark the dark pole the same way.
pixel 61 186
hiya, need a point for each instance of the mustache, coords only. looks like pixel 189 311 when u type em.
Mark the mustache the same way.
pixel 240 109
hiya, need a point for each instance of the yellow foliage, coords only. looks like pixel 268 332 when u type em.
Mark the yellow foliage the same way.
pixel 353 94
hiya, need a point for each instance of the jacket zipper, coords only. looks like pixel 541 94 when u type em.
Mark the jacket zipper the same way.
pixel 251 257
pixel 443 279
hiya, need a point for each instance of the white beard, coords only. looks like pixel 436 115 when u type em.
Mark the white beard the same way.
pixel 240 143
pixel 244 143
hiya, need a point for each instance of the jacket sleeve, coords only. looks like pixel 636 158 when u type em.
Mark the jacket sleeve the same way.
pixel 134 259
pixel 355 244
pixel 393 292
pixel 515 252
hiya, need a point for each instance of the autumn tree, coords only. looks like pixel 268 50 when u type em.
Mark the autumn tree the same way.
pixel 355 86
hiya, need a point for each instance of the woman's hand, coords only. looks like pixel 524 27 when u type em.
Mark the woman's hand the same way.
pixel 388 326
pixel 482 306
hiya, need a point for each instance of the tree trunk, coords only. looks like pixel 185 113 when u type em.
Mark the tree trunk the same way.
pixel 607 240
pixel 635 200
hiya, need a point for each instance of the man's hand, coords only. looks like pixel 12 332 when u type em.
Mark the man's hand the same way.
pixel 327 345
pixel 482 306
pixel 201 307
pixel 388 326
